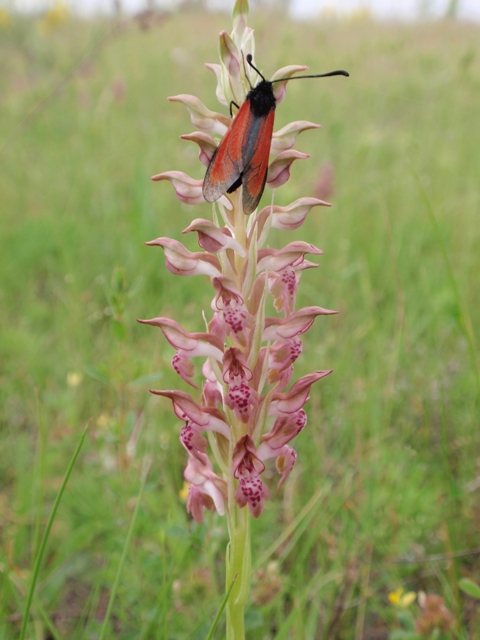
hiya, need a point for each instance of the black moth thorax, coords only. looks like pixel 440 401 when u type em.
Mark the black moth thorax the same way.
pixel 261 98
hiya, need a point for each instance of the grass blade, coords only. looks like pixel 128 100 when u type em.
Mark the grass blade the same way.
pixel 43 543
pixel 220 611
pixel 124 551
pixel 465 320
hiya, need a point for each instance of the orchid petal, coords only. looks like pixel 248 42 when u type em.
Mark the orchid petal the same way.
pixel 186 341
pixel 286 428
pixel 193 441
pixel 292 253
pixel 247 467
pixel 283 285
pixel 235 366
pixel 245 458
pixel 281 357
pixel 236 374
pixel 214 239
pixel 284 138
pixel 229 302
pixel 207 418
pixel 187 189
pixel 201 117
pixel 280 88
pixel 184 406
pixel 247 46
pixel 184 368
pixel 212 394
pixel 232 78
pixel 205 143
pixel 229 55
pixel 240 29
pixel 299 322
pixel 242 399
pixel 285 463
pixel 182 262
pixel 279 169
pixel 218 71
pixel 294 399
pixel 196 501
pixel 226 293
pixel 206 487
pixel 293 216
pixel 253 492
pixel 217 326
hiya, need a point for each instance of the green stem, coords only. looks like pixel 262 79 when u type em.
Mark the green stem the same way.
pixel 239 565
pixel 238 557
pixel 240 229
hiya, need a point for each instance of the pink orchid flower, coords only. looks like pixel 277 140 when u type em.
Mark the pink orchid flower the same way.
pixel 246 409
pixel 249 407
pixel 206 488
pixel 182 262
pixel 247 468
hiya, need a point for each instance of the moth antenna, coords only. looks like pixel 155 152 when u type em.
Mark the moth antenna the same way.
pixel 245 70
pixel 339 72
pixel 249 60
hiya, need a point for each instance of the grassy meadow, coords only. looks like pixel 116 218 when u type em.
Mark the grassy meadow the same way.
pixel 386 490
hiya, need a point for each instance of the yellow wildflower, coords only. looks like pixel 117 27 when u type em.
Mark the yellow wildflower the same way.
pixel 362 14
pixel 103 421
pixel 54 17
pixel 5 19
pixel 184 491
pixel 74 379
pixel 400 599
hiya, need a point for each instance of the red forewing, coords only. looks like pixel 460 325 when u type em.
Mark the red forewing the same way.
pixel 226 165
pixel 241 158
pixel 256 151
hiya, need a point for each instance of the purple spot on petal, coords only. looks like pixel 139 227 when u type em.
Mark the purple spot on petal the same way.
pixel 235 319
pixel 186 435
pixel 238 398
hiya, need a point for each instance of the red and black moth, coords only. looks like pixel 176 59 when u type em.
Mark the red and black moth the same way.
pixel 241 158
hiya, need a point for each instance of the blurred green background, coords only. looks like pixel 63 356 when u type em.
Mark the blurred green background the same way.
pixel 385 492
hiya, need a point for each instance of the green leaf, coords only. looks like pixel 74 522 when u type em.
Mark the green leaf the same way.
pixel 126 546
pixel 220 611
pixel 399 634
pixel 177 532
pixel 470 588
pixel 406 620
pixel 118 330
pixel 46 533
pixel 253 620
pixel 138 382
pixel 96 374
